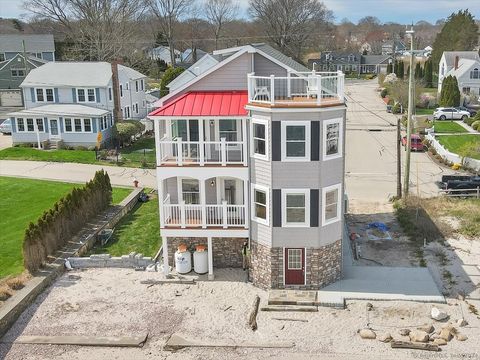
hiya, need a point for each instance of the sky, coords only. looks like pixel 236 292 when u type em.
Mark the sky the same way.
pixel 400 11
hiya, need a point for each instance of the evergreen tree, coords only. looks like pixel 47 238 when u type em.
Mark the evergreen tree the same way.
pixel 418 71
pixel 428 73
pixel 389 68
pixel 400 70
pixel 450 94
pixel 460 32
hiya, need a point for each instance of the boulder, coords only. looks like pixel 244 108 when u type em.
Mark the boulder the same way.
pixel 462 322
pixel 427 328
pixel 440 342
pixel 438 314
pixel 369 307
pixel 419 336
pixel 461 337
pixel 447 333
pixel 385 338
pixel 404 332
pixel 367 334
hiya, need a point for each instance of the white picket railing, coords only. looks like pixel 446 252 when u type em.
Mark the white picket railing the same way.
pixel 297 88
pixel 198 215
pixel 222 152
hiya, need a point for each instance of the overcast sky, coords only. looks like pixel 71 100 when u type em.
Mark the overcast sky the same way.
pixel 401 11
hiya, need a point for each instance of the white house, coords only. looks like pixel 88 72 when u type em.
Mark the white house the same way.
pixel 163 53
pixel 465 66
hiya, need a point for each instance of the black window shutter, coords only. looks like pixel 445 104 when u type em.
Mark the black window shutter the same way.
pixel 314 207
pixel 277 207
pixel 276 141
pixel 315 141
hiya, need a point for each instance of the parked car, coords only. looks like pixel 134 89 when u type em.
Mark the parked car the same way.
pixel 450 113
pixel 6 127
pixel 472 112
pixel 416 143
pixel 389 108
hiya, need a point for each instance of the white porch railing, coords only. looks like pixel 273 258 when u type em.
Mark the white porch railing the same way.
pixel 222 152
pixel 312 88
pixel 197 215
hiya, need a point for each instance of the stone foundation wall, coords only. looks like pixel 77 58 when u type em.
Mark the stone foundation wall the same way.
pixel 323 266
pixel 227 252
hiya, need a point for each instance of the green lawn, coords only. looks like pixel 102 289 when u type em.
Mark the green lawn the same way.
pixel 454 142
pixel 23 201
pixel 421 111
pixel 138 231
pixel 140 154
pixel 448 127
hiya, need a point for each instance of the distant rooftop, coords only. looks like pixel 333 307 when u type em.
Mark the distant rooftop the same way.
pixel 33 43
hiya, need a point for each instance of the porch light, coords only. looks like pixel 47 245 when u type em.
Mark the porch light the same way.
pixel 212 183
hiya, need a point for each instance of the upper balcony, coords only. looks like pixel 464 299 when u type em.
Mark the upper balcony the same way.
pixel 307 89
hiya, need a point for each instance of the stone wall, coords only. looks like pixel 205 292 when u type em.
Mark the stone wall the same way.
pixel 227 252
pixel 132 260
pixel 323 266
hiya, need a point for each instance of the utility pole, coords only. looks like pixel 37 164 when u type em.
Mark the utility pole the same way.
pixel 399 161
pixel 25 61
pixel 406 182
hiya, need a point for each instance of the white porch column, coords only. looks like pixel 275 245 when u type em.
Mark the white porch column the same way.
pixel 289 84
pixel 272 89
pixel 203 202
pixel 223 151
pixel 224 214
pixel 160 201
pixel 179 152
pixel 210 258
pixel 246 202
pixel 156 127
pixel 244 142
pixel 319 89
pixel 201 144
pixel 166 267
pixel 182 214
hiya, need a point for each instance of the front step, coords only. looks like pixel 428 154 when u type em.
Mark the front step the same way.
pixel 301 308
pixel 292 297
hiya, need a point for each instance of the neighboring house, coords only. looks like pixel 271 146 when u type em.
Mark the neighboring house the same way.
pixel 251 149
pixel 375 64
pixel 332 61
pixel 163 53
pixel 388 47
pixel 74 102
pixel 14 70
pixel 191 56
pixel 39 46
pixel 465 66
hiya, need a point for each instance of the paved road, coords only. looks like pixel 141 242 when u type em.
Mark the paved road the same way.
pixel 5 140
pixel 69 172
pixel 371 150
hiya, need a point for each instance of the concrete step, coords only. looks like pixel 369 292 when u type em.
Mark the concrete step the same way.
pixel 292 297
pixel 302 308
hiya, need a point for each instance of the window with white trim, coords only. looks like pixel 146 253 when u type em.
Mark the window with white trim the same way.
pixel 260 201
pixel 121 90
pixel 110 94
pixel 141 85
pixel 136 85
pixel 332 139
pixel 331 204
pixel 44 95
pixel 40 125
pixel 259 139
pixel 86 95
pixel 110 118
pixel 77 125
pixel 87 125
pixel 136 108
pixel 295 260
pixel 18 72
pixel 29 125
pixel 68 124
pixel 295 207
pixel 295 141
pixel 228 129
pixel 103 122
pixel 20 125
pixel 127 111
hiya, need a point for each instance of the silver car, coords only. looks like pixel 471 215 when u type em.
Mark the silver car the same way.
pixel 450 113
pixel 6 126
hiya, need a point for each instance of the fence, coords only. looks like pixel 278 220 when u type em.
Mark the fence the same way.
pixel 475 193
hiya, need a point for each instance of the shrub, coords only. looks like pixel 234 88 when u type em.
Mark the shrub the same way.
pixel 396 108
pixel 476 125
pixel 81 148
pixel 168 77
pixel 5 292
pixel 127 129
pixel 384 93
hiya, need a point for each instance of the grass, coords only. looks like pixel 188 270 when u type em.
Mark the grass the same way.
pixel 455 142
pixel 422 111
pixel 138 231
pixel 448 127
pixel 140 154
pixel 23 201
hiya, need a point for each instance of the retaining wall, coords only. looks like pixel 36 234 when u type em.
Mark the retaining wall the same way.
pixel 133 260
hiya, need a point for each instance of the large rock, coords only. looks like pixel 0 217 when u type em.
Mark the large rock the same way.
pixel 461 337
pixel 427 328
pixel 462 322
pixel 447 333
pixel 386 337
pixel 419 336
pixel 438 314
pixel 440 342
pixel 367 334
pixel 404 332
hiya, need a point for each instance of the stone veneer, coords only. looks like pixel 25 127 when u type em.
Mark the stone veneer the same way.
pixel 227 252
pixel 323 266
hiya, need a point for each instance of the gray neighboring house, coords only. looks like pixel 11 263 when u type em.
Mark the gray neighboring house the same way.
pixel 335 61
pixel 163 53
pixel 14 70
pixel 74 102
pixel 388 47
pixel 250 148
pixel 375 64
pixel 39 46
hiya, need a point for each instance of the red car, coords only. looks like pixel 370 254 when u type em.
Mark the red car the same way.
pixel 416 142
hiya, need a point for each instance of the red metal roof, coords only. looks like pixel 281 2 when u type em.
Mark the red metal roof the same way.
pixel 206 103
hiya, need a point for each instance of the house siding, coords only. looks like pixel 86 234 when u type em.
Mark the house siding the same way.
pixel 266 67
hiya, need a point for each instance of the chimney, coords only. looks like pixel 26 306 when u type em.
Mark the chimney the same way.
pixel 456 62
pixel 117 111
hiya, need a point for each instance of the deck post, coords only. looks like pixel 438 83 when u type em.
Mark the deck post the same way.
pixel 319 89
pixel 203 203
pixel 289 84
pixel 244 142
pixel 182 214
pixel 201 145
pixel 179 152
pixel 166 267
pixel 223 151
pixel 224 214
pixel 272 89
pixel 210 258
pixel 340 84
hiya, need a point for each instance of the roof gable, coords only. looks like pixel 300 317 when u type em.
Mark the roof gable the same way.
pixel 33 43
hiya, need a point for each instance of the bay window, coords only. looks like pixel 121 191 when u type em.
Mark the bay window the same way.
pixel 260 196
pixel 295 207
pixel 332 139
pixel 295 140
pixel 331 204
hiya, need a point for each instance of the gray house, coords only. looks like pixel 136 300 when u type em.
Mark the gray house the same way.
pixel 74 102
pixel 39 46
pixel 250 148
pixel 336 61
pixel 14 70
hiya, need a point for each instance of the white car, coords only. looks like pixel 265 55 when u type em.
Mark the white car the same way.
pixel 6 127
pixel 450 113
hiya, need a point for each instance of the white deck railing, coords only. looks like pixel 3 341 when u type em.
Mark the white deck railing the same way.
pixel 197 215
pixel 222 152
pixel 314 88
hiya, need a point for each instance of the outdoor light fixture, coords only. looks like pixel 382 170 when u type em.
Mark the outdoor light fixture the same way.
pixel 212 183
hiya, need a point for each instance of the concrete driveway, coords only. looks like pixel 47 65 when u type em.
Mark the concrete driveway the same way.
pixel 371 150
pixel 5 141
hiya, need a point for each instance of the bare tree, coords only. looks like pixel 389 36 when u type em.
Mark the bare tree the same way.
pixel 290 23
pixel 102 29
pixel 169 12
pixel 219 12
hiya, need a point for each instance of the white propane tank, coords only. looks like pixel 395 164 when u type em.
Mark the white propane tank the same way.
pixel 183 260
pixel 200 260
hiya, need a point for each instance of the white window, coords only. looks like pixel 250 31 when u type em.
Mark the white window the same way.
pixel 110 94
pixel 475 74
pixel 331 204
pixel 295 141
pixel 40 125
pixel 18 72
pixel 121 90
pixel 295 260
pixel 127 111
pixel 68 124
pixel 136 108
pixel 259 139
pixel 20 125
pixel 141 85
pixel 296 207
pixel 28 125
pixel 86 95
pixel 332 139
pixel 228 129
pixel 136 85
pixel 87 125
pixel 190 191
pixel 110 117
pixel 260 204
pixel 44 95
pixel 77 125
pixel 103 122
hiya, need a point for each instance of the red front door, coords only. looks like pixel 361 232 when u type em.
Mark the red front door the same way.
pixel 294 266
